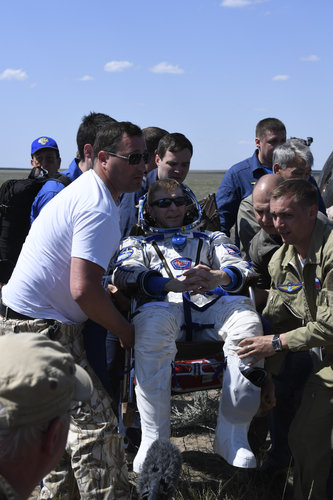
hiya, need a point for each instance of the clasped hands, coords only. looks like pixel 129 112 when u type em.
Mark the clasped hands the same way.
pixel 199 279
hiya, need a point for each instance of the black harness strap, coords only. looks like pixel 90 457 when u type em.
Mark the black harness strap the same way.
pixel 197 258
pixel 161 256
pixel 189 325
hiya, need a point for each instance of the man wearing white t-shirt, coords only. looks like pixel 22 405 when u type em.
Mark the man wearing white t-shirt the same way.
pixel 57 284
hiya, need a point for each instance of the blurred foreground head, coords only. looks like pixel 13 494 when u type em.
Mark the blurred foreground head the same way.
pixel 38 383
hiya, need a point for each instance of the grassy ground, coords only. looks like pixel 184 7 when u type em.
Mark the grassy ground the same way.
pixel 202 182
pixel 205 475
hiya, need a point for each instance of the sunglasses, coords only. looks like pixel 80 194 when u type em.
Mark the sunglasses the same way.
pixel 133 158
pixel 179 201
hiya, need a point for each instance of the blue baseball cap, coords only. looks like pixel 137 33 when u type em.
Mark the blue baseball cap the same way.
pixel 43 142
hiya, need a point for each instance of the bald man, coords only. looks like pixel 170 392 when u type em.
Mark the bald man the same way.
pixel 267 240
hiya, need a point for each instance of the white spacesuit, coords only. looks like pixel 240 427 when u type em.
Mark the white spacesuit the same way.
pixel 143 264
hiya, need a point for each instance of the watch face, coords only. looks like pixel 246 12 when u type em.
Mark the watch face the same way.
pixel 276 343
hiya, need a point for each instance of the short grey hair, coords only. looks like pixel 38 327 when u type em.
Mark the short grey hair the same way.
pixel 285 153
pixel 14 442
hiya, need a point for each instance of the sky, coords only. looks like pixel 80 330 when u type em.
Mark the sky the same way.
pixel 210 69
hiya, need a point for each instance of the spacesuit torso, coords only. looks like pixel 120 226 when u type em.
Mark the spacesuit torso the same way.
pixel 169 255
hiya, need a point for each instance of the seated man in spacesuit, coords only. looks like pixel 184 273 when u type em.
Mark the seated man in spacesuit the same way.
pixel 177 272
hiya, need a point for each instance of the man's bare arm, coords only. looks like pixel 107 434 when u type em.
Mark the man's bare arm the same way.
pixel 259 347
pixel 88 292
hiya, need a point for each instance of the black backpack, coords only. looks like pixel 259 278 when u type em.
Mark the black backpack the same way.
pixel 16 199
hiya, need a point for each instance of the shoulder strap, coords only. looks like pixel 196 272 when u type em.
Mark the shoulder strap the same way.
pixel 164 262
pixel 197 258
pixel 161 256
pixel 63 179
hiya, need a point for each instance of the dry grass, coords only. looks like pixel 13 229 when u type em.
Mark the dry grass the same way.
pixel 205 475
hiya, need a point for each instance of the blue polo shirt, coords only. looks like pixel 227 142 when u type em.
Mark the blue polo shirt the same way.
pixel 52 188
pixel 238 183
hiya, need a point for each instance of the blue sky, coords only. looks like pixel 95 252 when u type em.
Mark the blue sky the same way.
pixel 209 69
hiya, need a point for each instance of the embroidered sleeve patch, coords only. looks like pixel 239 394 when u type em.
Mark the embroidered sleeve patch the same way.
pixel 181 263
pixel 317 284
pixel 232 249
pixel 290 287
pixel 124 254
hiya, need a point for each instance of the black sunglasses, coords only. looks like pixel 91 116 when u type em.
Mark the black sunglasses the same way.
pixel 133 158
pixel 179 201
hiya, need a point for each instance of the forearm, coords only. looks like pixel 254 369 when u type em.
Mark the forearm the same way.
pixel 260 347
pixel 99 307
pixel 88 292
pixel 220 278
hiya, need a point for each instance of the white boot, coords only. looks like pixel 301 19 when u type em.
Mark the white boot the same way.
pixel 155 422
pixel 239 403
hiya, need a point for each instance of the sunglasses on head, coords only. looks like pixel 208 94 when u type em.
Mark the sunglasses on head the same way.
pixel 179 201
pixel 133 158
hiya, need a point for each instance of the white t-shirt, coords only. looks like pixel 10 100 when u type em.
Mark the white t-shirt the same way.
pixel 81 221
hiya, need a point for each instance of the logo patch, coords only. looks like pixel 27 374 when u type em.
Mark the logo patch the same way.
pixel 290 287
pixel 124 254
pixel 43 140
pixel 181 264
pixel 232 250
pixel 317 284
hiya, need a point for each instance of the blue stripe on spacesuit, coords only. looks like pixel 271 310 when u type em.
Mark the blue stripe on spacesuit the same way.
pixel 191 326
pixel 200 235
pixel 154 237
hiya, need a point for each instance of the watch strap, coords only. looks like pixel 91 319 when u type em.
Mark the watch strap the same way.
pixel 276 343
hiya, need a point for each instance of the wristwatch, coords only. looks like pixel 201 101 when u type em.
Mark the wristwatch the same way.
pixel 276 343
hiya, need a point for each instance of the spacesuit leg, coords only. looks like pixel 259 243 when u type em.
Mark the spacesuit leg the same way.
pixel 240 398
pixel 239 403
pixel 156 329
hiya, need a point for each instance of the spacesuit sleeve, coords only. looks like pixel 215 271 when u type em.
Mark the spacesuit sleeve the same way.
pixel 131 271
pixel 226 256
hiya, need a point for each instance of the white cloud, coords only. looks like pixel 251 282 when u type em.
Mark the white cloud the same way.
pixel 164 67
pixel 280 78
pixel 13 74
pixel 86 78
pixel 117 66
pixel 239 3
pixel 312 58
